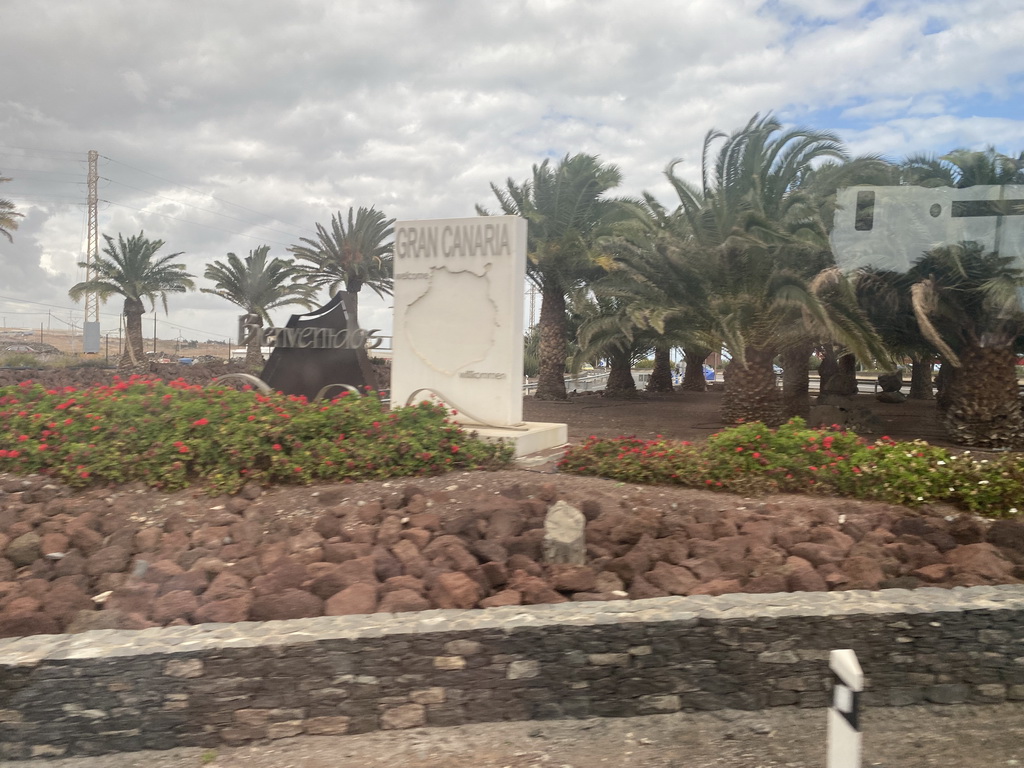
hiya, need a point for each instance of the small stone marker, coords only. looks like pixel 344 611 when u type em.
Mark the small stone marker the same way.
pixel 844 738
pixel 565 535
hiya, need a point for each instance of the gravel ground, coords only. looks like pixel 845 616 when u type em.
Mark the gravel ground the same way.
pixel 908 737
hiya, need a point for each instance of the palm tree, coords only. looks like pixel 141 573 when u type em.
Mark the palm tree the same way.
pixel 132 269
pixel 567 211
pixel 8 216
pixel 968 305
pixel 758 241
pixel 257 287
pixel 965 168
pixel 350 257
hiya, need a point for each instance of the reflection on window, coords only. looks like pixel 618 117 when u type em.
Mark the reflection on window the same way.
pixel 865 215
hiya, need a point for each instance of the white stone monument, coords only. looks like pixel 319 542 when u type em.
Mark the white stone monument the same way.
pixel 458 325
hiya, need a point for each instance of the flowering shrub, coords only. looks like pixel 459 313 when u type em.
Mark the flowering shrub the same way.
pixel 752 458
pixel 169 435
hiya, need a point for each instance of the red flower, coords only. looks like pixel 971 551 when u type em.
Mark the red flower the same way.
pixel 182 449
pixel 200 422
pixel 276 446
pixel 455 449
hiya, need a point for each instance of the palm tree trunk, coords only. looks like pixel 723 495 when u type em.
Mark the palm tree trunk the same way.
pixel 253 354
pixel 921 377
pixel 661 376
pixel 133 356
pixel 552 327
pixel 693 373
pixel 838 374
pixel 620 376
pixel 750 391
pixel 984 400
pixel 796 372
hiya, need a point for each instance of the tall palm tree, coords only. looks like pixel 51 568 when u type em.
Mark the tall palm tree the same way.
pixel 8 216
pixel 350 257
pixel 968 305
pixel 257 286
pixel 567 210
pixel 131 268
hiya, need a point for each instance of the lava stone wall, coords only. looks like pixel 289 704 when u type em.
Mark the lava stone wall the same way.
pixel 213 684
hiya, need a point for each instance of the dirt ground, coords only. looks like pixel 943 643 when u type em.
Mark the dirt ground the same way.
pixel 910 737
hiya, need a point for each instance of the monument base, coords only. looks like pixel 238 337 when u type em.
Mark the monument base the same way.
pixel 530 437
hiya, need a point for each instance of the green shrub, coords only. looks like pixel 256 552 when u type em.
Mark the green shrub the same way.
pixel 753 459
pixel 170 435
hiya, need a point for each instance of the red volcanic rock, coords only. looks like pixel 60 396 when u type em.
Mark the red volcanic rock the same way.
pixel 917 555
pixel 340 551
pixel 338 576
pixel 226 586
pixel 1008 534
pixel 107 560
pixel 357 599
pixel 420 537
pixel 767 583
pixel 674 549
pixel 982 560
pixel 289 604
pixel 939 572
pixel 862 573
pixel 54 542
pixel 717 587
pixel 832 537
pixel 673 579
pixel 179 604
pixel 534 589
pixel 27 623
pixel 132 598
pixel 328 525
pixel 390 530
pixel 402 600
pixel 64 601
pixel 228 610
pixel 504 523
pixel 817 553
pixel 162 571
pixel 805 580
pixel 404 582
pixel 641 589
pixel 505 597
pixel 572 578
pixel 192 581
pixel 455 590
pixel 496 574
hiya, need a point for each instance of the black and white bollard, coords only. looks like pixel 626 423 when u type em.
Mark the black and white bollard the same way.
pixel 844 714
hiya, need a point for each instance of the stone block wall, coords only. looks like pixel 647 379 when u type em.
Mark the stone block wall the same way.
pixel 213 684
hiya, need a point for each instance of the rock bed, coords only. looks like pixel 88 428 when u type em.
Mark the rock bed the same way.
pixel 130 558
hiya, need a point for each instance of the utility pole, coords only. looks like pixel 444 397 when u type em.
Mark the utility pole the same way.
pixel 92 247
pixel 91 323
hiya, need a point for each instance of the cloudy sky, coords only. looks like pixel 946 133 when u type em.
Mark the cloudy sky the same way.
pixel 223 125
